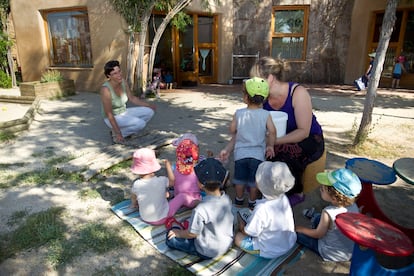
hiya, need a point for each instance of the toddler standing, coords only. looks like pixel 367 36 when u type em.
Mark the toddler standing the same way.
pixel 397 72
pixel 340 188
pixel 253 137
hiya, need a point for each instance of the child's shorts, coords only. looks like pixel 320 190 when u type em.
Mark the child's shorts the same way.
pixel 396 76
pixel 245 171
pixel 247 246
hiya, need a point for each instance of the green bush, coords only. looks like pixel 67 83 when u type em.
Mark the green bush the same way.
pixel 5 80
pixel 51 76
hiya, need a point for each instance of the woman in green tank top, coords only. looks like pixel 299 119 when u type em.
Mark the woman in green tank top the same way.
pixel 115 93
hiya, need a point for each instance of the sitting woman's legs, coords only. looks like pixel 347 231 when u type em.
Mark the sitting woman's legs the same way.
pixel 133 120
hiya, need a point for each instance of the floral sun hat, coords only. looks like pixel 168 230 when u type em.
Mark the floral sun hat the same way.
pixel 187 156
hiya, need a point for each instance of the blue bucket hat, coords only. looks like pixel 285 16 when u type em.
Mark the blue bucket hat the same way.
pixel 343 180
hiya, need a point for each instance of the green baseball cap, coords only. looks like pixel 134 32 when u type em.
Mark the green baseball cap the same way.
pixel 257 86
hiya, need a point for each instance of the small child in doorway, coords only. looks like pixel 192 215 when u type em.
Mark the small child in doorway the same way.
pixel 397 72
pixel 168 78
pixel 340 188
pixel 148 192
pixel 185 183
pixel 253 137
pixel 210 231
pixel 269 231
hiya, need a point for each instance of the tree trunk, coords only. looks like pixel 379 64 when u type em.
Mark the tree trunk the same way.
pixel 141 52
pixel 160 30
pixel 386 31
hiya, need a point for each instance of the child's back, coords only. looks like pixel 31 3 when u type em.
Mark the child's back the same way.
pixel 148 192
pixel 270 231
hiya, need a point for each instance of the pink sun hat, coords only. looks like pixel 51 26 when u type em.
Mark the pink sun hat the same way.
pixel 144 162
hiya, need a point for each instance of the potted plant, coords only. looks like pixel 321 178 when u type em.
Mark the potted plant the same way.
pixel 51 85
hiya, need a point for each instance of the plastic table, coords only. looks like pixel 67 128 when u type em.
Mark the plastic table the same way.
pixel 374 172
pixel 372 236
pixel 404 167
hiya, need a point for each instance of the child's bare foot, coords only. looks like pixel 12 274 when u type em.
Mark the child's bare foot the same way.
pixel 133 206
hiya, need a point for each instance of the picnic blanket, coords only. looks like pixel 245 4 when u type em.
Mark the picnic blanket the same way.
pixel 233 262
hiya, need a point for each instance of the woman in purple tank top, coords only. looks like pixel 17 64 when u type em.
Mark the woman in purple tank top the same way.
pixel 303 142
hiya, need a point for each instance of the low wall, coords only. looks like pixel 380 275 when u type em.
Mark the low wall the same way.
pixel 21 124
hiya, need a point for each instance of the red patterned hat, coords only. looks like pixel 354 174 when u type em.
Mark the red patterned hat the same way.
pixel 187 156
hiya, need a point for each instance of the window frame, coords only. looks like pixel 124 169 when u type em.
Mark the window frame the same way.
pixel 304 34
pixel 48 34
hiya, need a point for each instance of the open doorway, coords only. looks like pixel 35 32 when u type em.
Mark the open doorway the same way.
pixel 191 55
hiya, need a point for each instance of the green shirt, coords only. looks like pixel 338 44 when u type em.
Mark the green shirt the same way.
pixel 118 102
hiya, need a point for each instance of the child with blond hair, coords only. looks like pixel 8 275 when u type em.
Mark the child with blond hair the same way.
pixel 340 188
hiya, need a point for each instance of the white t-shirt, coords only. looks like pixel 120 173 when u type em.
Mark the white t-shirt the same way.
pixel 151 196
pixel 335 246
pixel 272 227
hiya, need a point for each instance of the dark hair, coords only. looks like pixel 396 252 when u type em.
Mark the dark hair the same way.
pixel 109 67
pixel 211 186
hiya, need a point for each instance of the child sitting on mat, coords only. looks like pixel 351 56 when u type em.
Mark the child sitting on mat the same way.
pixel 186 190
pixel 269 231
pixel 340 188
pixel 210 231
pixel 148 192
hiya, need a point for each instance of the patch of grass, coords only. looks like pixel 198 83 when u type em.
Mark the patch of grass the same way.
pixel 17 217
pixel 88 193
pixel 8 166
pixel 93 236
pixel 118 167
pixel 37 229
pixel 7 136
pixel 376 150
pixel 57 160
pixel 41 177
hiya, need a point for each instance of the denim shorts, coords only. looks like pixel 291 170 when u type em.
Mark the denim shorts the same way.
pixel 245 171
pixel 247 246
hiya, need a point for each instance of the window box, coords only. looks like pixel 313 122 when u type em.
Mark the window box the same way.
pixel 48 90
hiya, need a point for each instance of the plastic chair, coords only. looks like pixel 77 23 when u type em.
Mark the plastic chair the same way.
pixel 364 262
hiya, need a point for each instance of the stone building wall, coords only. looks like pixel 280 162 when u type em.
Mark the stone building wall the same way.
pixel 329 29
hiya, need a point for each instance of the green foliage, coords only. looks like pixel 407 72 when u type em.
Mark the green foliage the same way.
pixel 133 11
pixel 181 20
pixel 5 80
pixel 51 76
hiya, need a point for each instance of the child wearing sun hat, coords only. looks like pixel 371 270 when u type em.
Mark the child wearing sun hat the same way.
pixel 269 231
pixel 340 188
pixel 148 192
pixel 253 136
pixel 184 180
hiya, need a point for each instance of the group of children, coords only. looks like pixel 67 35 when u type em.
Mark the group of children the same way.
pixel 161 79
pixel 267 228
